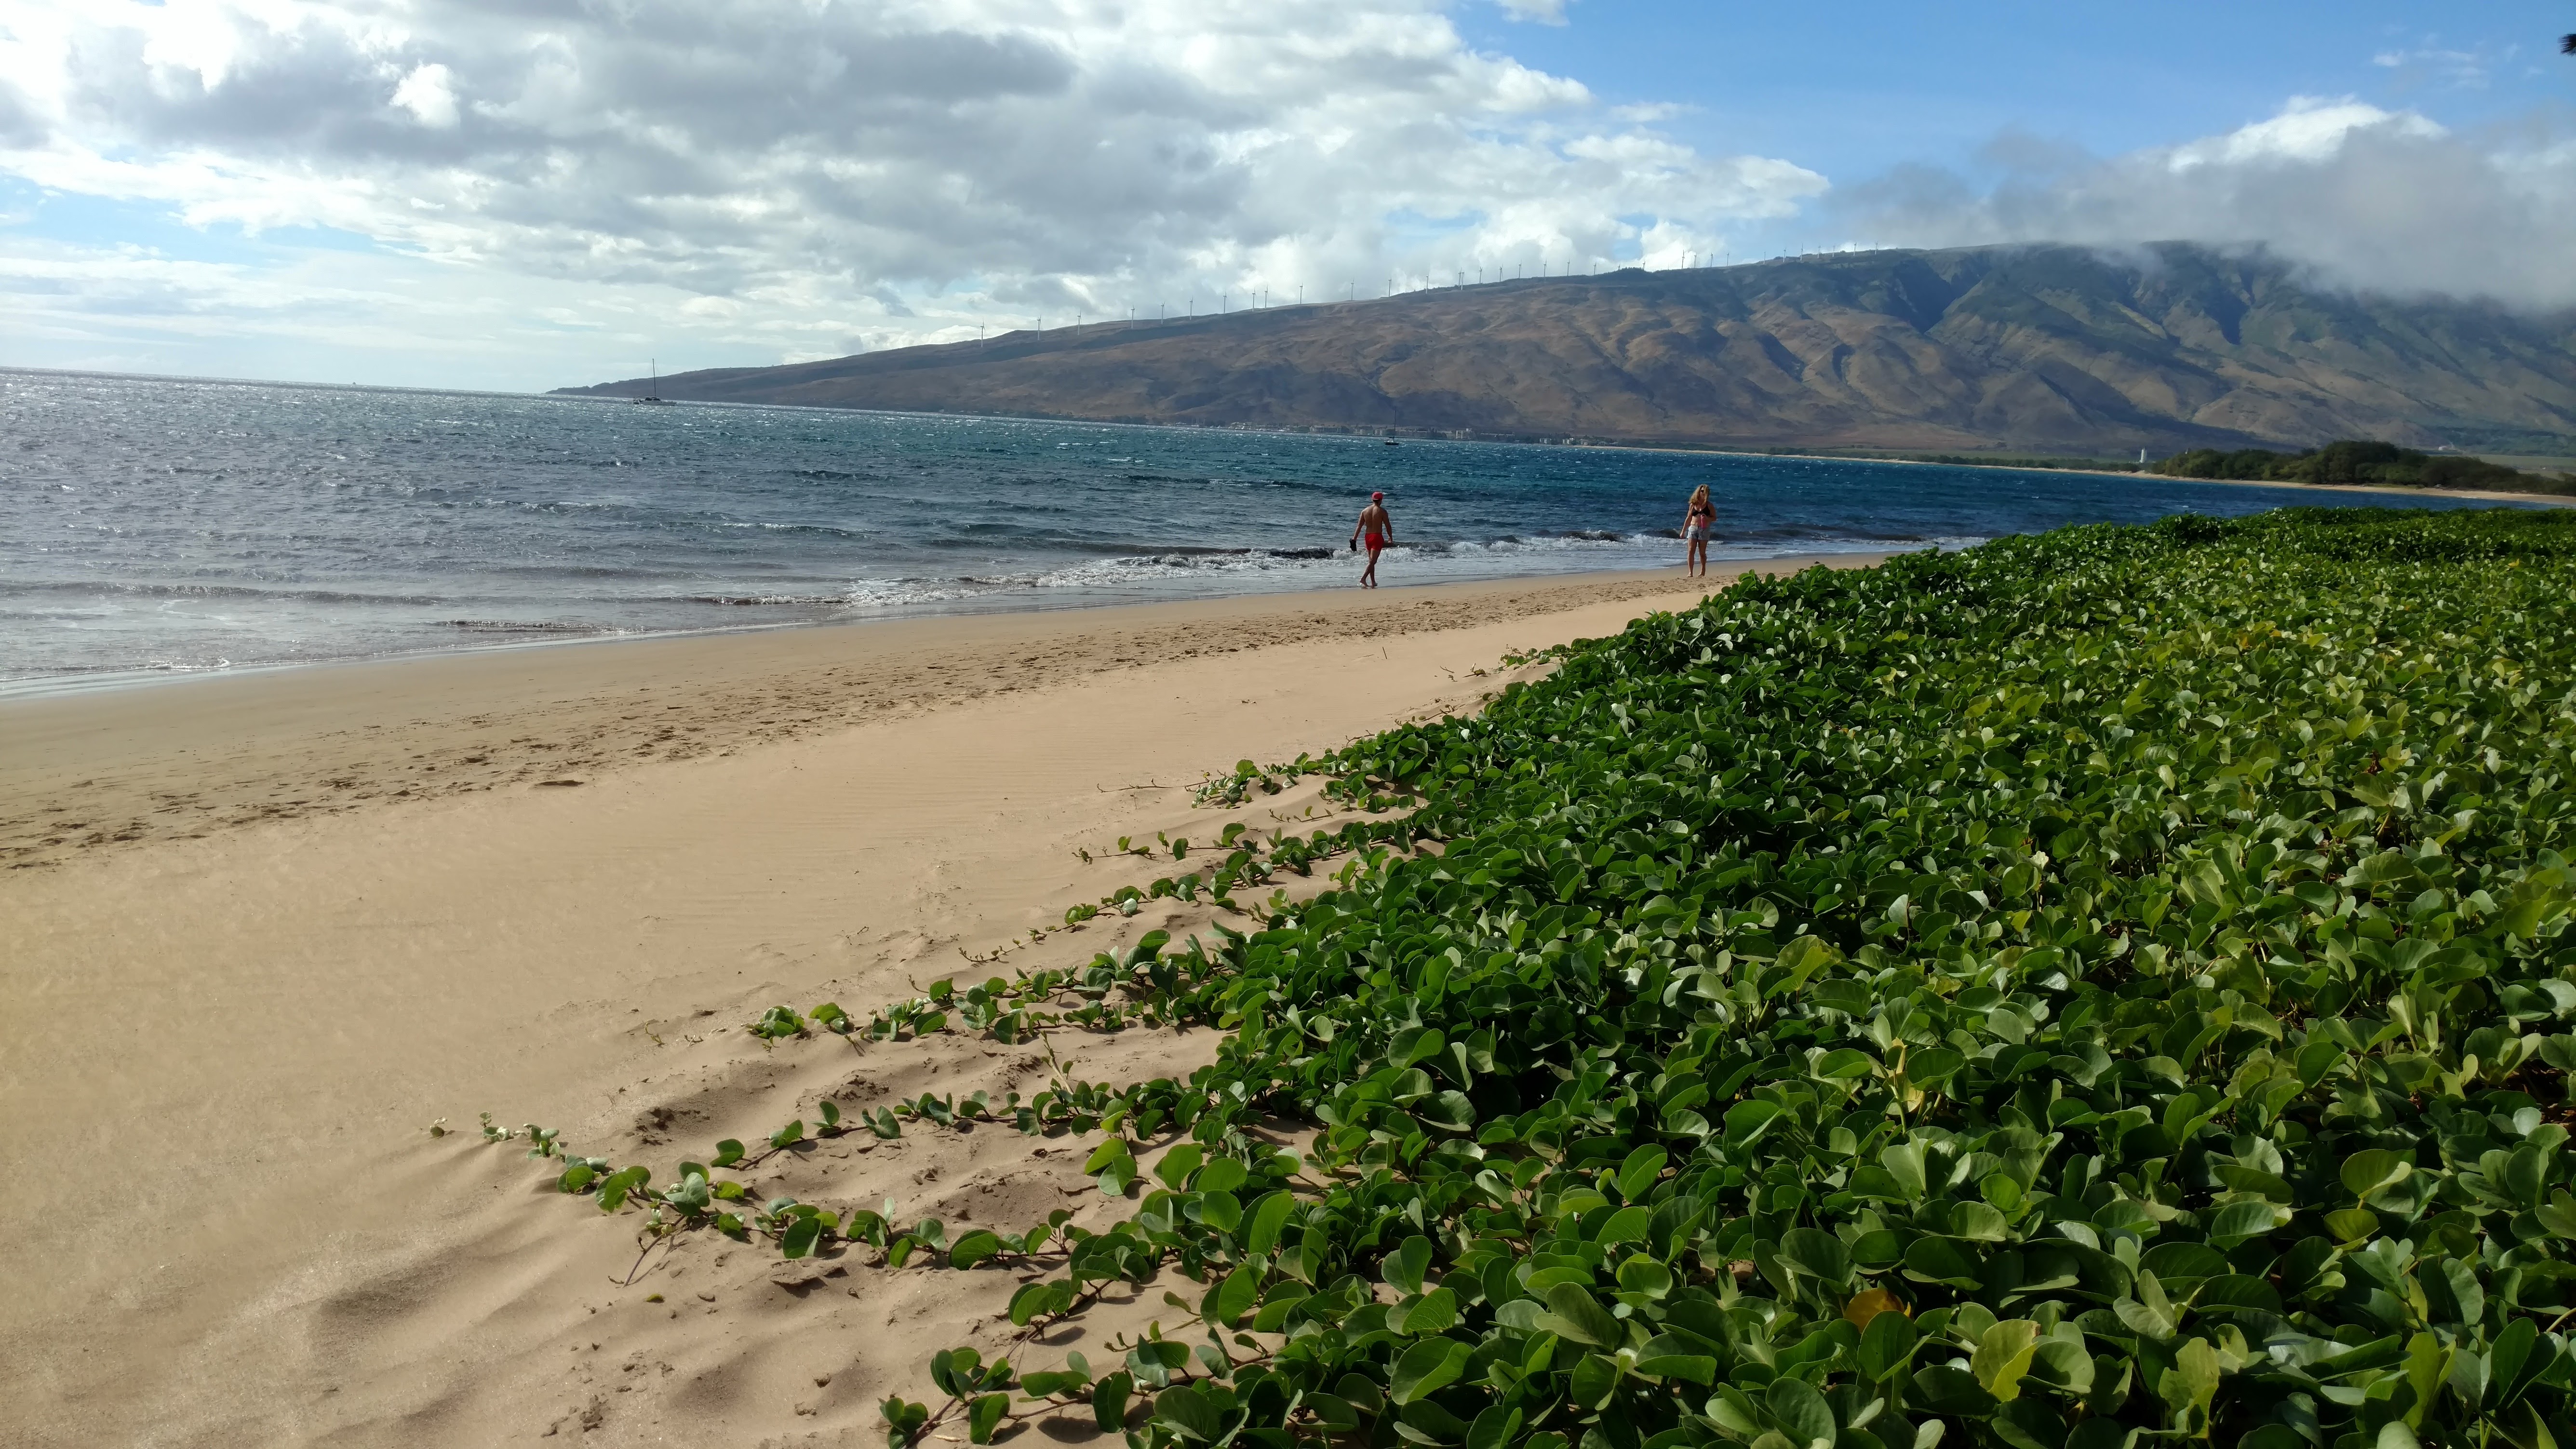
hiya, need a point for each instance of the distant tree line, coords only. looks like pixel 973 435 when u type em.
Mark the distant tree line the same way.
pixel 1960 460
pixel 1971 460
pixel 2353 461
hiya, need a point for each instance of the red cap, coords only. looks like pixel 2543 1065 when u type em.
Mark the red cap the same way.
pixel 1377 498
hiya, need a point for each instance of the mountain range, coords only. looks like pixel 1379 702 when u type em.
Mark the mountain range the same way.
pixel 2060 348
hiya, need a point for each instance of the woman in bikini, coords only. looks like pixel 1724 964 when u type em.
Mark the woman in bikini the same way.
pixel 1695 527
pixel 1381 532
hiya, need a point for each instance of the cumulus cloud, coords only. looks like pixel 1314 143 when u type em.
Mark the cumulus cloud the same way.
pixel 866 173
pixel 2369 198
pixel 429 94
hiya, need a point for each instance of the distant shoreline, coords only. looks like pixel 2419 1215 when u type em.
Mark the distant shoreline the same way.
pixel 2395 490
pixel 1670 449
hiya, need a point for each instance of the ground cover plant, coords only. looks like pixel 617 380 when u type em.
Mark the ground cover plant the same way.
pixel 2094 988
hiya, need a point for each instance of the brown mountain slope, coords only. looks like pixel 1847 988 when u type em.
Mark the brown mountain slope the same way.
pixel 2024 347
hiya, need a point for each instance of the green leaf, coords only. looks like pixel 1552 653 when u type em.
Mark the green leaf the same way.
pixel 1817 1254
pixel 1109 1401
pixel 800 1237
pixel 1627 1225
pixel 1930 1068
pixel 613 1189
pixel 1333 1412
pixel 2373 1170
pixel 2505 1360
pixel 985 1416
pixel 1049 1385
pixel 1885 1345
pixel 2356 1225
pixel 2149 1314
pixel 1269 1215
pixel 1747 1121
pixel 1035 1300
pixel 1413 1048
pixel 1641 1274
pixel 1448 1108
pixel 1802 1413
pixel 1178 1164
pixel 2241 1222
pixel 1637 1174
pixel 1903 1162
pixel 2557 1216
pixel 1580 1316
pixel 1428 1366
pixel 2003 1355
pixel 728 1152
pixel 1276 1306
pixel 789 1135
pixel 1237 1295
pixel 1188 1412
pixel 1844 1064
pixel 2193 1380
pixel 1801 959
pixel 2064 1365
pixel 1405 1266
pixel 1493 1429
pixel 974 1248
pixel 1669 1357
pixel 1935 1260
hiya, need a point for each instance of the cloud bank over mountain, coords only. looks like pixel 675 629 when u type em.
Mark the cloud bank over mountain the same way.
pixel 770 181
pixel 2369 198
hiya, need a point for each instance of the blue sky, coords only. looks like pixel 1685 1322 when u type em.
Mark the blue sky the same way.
pixel 437 194
pixel 1856 87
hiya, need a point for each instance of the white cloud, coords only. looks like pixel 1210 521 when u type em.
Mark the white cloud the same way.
pixel 2439 65
pixel 877 172
pixel 429 93
pixel 1543 12
pixel 2371 198
pixel 2308 129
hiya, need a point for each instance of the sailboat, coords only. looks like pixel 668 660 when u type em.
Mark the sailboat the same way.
pixel 653 390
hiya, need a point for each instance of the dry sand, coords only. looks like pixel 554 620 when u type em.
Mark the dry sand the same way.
pixel 265 930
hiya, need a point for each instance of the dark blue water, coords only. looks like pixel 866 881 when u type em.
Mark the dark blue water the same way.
pixel 161 525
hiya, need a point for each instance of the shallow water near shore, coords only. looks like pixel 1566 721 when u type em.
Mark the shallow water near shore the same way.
pixel 174 526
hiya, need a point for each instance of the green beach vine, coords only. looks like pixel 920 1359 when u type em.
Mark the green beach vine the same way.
pixel 2093 988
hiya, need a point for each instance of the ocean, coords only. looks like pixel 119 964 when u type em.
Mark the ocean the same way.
pixel 155 527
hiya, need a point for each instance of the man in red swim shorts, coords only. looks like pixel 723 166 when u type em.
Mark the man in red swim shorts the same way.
pixel 1380 531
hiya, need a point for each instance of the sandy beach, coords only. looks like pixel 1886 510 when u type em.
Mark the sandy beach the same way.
pixel 264 931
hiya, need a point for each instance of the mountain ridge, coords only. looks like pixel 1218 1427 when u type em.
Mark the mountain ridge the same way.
pixel 2164 347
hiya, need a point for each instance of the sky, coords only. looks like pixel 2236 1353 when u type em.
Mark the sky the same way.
pixel 524 194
